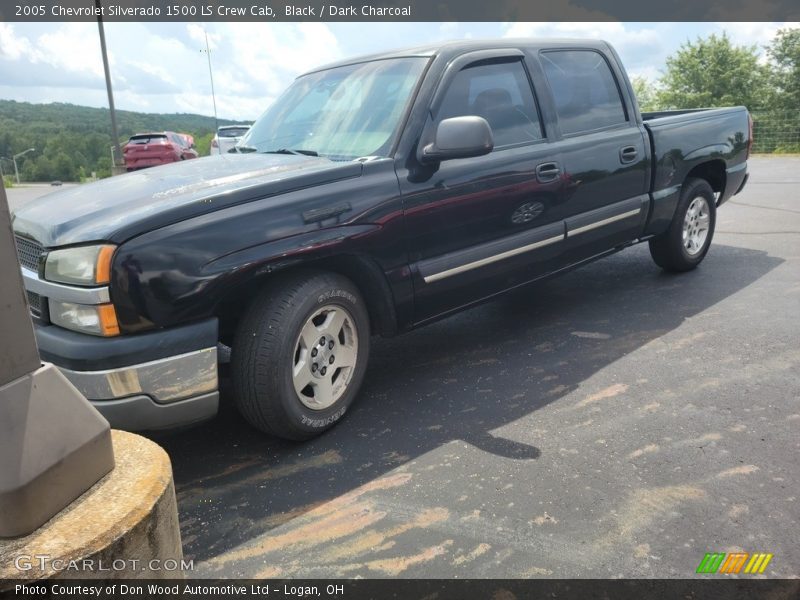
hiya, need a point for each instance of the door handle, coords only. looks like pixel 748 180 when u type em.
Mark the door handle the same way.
pixel 547 172
pixel 628 154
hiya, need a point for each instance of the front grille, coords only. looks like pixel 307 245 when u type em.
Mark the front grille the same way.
pixel 35 304
pixel 29 253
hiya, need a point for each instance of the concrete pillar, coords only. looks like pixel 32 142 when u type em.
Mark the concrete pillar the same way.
pixel 54 445
pixel 125 526
pixel 68 510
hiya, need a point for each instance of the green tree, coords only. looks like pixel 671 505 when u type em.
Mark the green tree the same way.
pixel 68 138
pixel 63 168
pixel 103 167
pixel 713 71
pixel 203 143
pixel 784 54
pixel 43 169
pixel 28 171
pixel 645 92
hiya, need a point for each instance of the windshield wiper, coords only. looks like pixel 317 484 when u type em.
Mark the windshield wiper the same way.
pixel 298 152
pixel 243 149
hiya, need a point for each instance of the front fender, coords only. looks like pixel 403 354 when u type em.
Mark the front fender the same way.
pixel 273 256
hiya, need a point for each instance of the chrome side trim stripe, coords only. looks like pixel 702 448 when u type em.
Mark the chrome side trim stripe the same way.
pixel 491 259
pixel 607 221
pixel 67 293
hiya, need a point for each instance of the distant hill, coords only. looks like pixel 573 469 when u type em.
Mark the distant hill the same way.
pixel 73 141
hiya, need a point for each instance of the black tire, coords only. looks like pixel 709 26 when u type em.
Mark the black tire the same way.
pixel 265 350
pixel 668 249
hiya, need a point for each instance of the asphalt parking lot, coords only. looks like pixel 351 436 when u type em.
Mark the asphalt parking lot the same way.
pixel 614 422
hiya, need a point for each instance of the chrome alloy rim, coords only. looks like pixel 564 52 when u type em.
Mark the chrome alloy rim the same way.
pixel 325 357
pixel 695 226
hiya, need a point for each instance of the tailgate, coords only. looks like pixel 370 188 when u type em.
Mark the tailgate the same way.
pixel 150 148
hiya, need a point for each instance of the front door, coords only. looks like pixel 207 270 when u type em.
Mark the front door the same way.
pixel 478 226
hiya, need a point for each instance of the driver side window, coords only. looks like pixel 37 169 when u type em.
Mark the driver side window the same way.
pixel 501 94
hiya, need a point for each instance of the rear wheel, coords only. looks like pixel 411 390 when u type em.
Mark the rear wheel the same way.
pixel 685 244
pixel 300 355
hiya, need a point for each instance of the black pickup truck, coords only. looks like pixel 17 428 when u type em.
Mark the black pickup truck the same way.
pixel 374 196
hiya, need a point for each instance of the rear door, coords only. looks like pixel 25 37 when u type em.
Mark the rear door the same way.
pixel 604 151
pixel 477 226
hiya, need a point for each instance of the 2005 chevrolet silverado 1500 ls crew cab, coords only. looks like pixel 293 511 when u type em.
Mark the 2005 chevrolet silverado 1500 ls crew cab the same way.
pixel 374 196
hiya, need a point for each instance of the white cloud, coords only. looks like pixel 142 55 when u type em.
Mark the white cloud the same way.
pixel 73 47
pixel 754 34
pixel 161 67
pixel 12 47
pixel 649 72
pixel 642 49
pixel 252 63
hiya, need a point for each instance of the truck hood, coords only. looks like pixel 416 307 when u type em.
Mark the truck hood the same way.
pixel 122 207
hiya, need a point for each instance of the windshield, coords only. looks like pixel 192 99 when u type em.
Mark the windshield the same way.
pixel 147 138
pixel 341 113
pixel 231 132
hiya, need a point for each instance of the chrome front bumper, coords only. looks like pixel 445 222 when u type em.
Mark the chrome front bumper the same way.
pixel 165 380
pixel 161 394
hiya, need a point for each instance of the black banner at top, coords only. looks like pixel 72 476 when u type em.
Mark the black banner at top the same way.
pixel 399 10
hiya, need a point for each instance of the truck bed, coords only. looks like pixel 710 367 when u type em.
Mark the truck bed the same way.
pixel 687 115
pixel 681 139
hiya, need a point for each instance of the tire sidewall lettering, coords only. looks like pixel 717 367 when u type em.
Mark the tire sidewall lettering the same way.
pixel 336 293
pixel 318 423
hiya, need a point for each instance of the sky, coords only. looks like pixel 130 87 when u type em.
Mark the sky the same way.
pixel 161 67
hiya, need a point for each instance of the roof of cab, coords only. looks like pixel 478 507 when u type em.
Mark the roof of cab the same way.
pixel 456 47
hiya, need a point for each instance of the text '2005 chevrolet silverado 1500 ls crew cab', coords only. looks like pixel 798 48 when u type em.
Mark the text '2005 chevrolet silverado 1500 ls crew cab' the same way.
pixel 374 196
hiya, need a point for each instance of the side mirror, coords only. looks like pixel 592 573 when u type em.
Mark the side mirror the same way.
pixel 459 137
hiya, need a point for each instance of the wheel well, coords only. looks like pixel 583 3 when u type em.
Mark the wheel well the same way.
pixel 365 274
pixel 713 172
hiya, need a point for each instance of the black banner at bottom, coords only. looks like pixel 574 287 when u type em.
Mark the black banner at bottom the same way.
pixel 405 589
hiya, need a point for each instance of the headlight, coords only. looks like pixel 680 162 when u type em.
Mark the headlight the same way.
pixel 85 265
pixel 95 319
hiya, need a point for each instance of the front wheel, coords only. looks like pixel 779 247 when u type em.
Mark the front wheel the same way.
pixel 685 244
pixel 300 355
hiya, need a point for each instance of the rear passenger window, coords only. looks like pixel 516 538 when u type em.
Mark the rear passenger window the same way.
pixel 584 90
pixel 501 94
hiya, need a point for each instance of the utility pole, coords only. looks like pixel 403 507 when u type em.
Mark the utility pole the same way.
pixel 114 131
pixel 211 77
